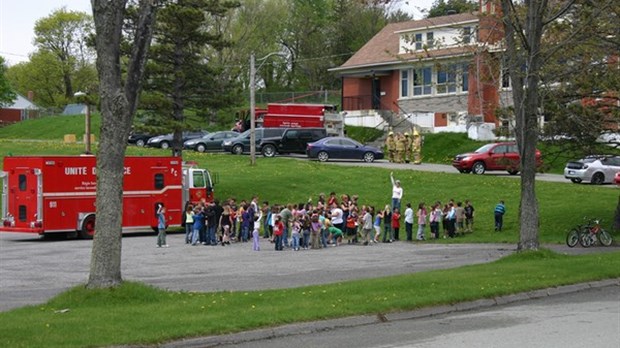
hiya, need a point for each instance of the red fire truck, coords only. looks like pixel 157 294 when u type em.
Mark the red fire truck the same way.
pixel 290 115
pixel 52 194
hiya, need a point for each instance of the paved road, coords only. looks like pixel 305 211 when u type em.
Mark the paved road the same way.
pixel 441 168
pixel 32 270
pixel 589 318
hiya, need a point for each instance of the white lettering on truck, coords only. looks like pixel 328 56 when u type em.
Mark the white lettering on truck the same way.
pixel 75 170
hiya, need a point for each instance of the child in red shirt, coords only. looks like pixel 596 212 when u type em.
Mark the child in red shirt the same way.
pixel 278 230
pixel 396 222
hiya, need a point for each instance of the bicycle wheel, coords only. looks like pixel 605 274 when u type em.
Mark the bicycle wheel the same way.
pixel 585 240
pixel 572 238
pixel 604 237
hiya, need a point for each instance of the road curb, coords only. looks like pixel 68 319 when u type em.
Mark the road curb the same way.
pixel 331 324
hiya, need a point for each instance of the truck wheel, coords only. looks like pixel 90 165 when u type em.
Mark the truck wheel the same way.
pixel 322 156
pixel 164 145
pixel 478 168
pixel 201 148
pixel 88 228
pixel 140 142
pixel 269 150
pixel 237 149
pixel 369 157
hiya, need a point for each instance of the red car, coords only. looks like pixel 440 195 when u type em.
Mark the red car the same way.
pixel 494 156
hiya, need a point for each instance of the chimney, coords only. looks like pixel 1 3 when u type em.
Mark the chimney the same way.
pixel 31 96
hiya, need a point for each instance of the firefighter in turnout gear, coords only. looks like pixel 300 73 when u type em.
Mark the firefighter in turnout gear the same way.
pixel 401 144
pixel 417 147
pixel 390 146
pixel 408 147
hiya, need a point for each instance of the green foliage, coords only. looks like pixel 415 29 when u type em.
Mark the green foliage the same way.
pixel 64 35
pixel 581 75
pixel 132 313
pixel 442 7
pixel 7 95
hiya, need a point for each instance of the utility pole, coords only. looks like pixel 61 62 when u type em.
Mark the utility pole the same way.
pixel 252 112
pixel 85 98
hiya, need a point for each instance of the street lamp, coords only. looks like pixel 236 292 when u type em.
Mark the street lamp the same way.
pixel 253 102
pixel 84 97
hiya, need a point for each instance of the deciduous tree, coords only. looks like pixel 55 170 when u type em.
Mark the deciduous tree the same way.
pixel 119 92
pixel 65 34
pixel 6 92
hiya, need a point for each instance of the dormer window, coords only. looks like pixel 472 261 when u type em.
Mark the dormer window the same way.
pixel 418 41
pixel 466 35
pixel 430 39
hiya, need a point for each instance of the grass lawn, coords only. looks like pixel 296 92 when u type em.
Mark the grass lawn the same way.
pixel 138 314
pixel 286 180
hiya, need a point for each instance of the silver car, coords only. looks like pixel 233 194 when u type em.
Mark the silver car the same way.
pixel 595 169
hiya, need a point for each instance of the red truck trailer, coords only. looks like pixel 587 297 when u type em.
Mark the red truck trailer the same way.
pixel 303 116
pixel 53 194
pixel 290 115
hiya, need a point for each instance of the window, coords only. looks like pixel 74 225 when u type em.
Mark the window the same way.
pixel 404 83
pixel 465 77
pixel 505 78
pixel 418 42
pixel 22 213
pixel 499 149
pixel 159 181
pixel 198 178
pixel 446 79
pixel 22 182
pixel 466 35
pixel 430 39
pixel 422 81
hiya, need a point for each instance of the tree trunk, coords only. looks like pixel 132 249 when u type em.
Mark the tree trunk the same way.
pixel 617 217
pixel 523 50
pixel 118 104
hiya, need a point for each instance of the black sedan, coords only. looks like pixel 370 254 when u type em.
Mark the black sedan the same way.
pixel 164 141
pixel 209 142
pixel 342 148
pixel 139 139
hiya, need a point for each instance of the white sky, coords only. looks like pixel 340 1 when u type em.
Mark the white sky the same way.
pixel 17 18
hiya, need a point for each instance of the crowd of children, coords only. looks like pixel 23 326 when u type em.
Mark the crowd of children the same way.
pixel 329 221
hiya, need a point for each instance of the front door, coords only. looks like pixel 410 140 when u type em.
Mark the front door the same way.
pixel 376 93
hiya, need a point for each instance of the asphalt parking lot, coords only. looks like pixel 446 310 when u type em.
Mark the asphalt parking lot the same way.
pixel 32 269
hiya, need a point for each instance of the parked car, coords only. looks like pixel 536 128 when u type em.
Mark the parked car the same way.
pixel 209 142
pixel 139 139
pixel 342 148
pixel 241 143
pixel 595 169
pixel 494 156
pixel 164 141
pixel 293 140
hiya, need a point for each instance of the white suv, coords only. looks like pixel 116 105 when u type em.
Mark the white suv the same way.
pixel 595 169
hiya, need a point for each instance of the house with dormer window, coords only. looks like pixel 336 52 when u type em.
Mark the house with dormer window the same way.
pixel 441 73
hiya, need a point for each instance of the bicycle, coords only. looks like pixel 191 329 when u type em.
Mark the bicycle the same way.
pixel 588 234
